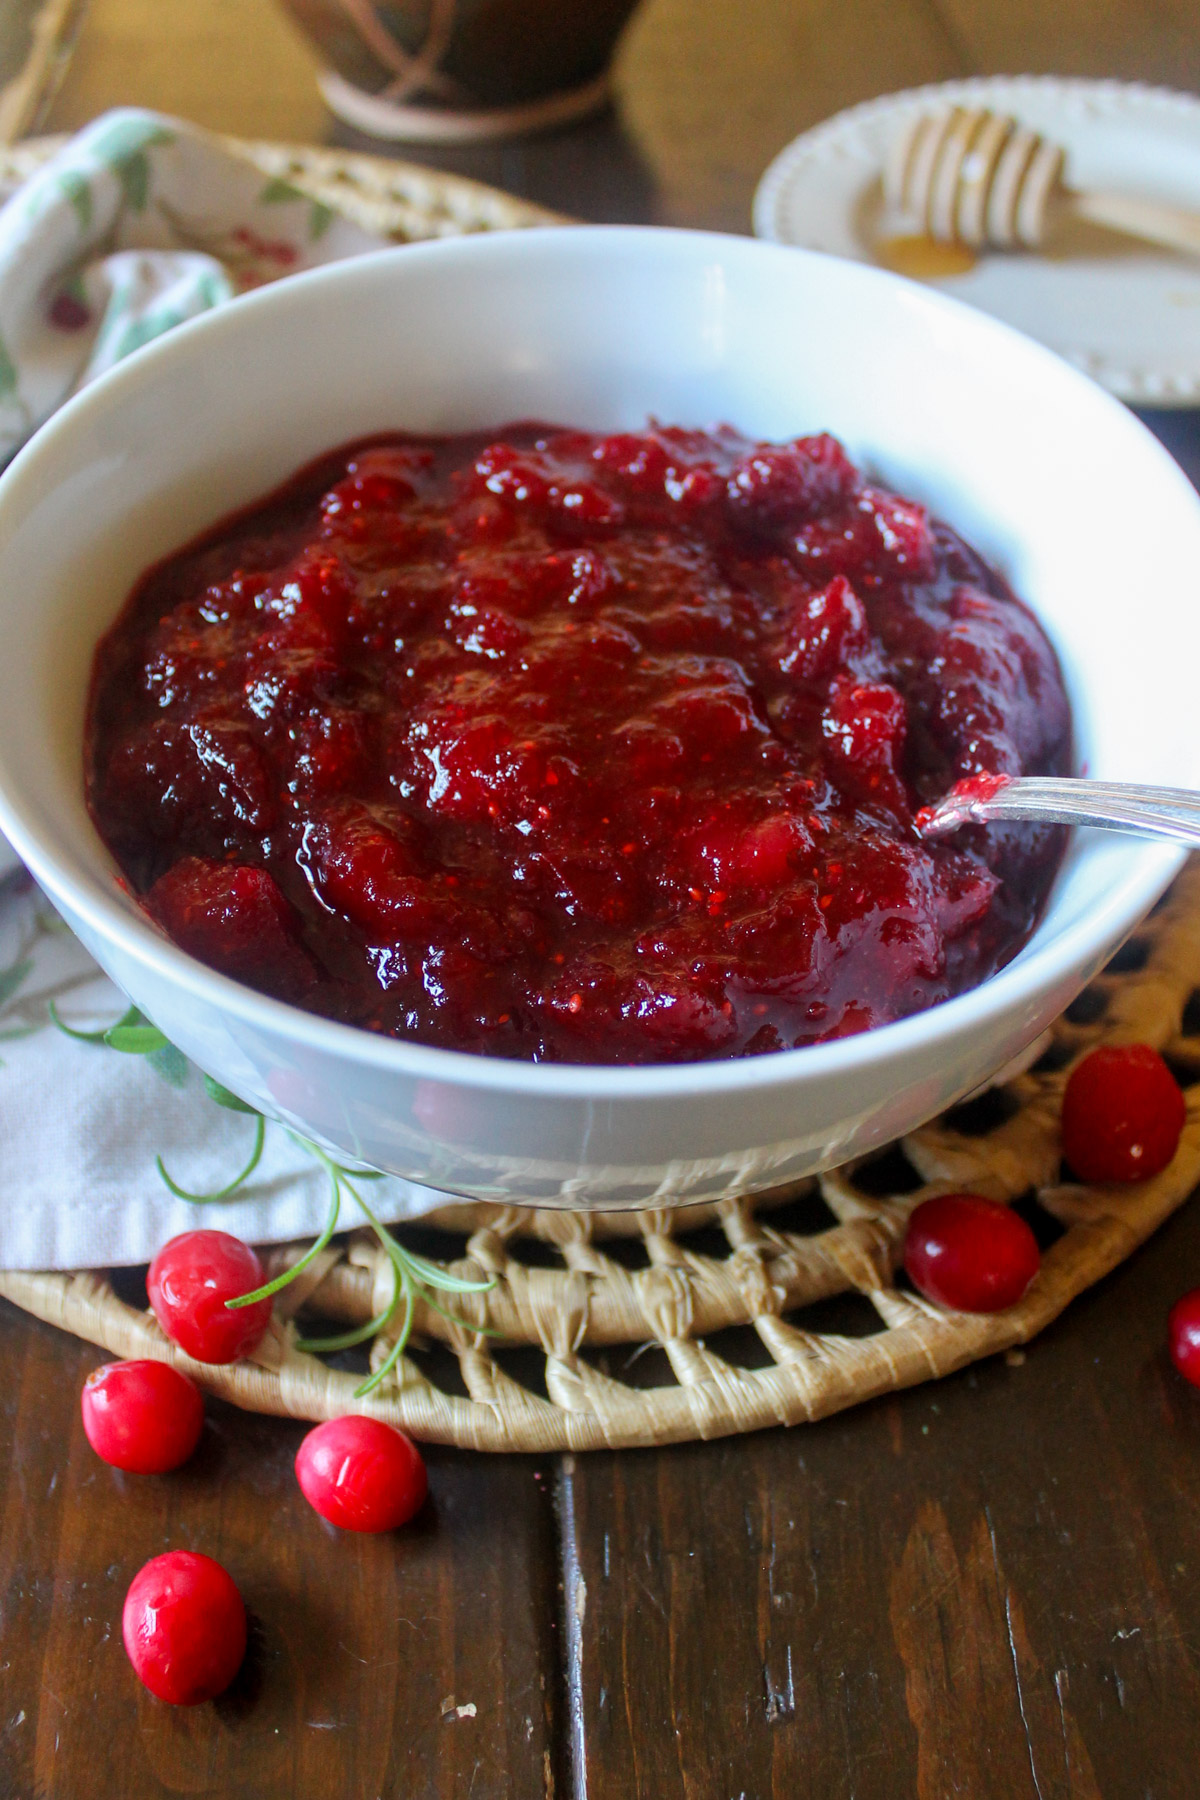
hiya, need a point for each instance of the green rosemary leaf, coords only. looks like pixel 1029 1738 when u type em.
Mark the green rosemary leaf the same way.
pixel 425 1273
pixel 346 1340
pixel 429 1274
pixel 132 1017
pixel 230 1187
pixel 381 1373
pixel 466 1324
pixel 171 1064
pixel 281 1281
pixel 398 1348
pixel 142 1039
pixel 222 1096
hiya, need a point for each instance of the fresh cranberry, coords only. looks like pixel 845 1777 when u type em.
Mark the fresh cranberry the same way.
pixel 1183 1336
pixel 970 1253
pixel 145 1417
pixel 190 1281
pixel 1122 1114
pixel 361 1474
pixel 184 1627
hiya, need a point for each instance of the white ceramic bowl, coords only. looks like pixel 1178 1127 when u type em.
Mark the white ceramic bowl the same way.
pixel 1091 520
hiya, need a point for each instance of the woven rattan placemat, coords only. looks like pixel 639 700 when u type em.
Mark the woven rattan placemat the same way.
pixel 738 1296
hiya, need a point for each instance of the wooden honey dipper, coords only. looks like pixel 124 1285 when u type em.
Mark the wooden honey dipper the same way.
pixel 969 176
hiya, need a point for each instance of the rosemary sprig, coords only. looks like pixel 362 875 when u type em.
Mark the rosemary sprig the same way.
pixel 223 1096
pixel 270 1288
pixel 413 1276
pixel 412 1272
pixel 231 1187
pixel 132 1033
pixel 348 1340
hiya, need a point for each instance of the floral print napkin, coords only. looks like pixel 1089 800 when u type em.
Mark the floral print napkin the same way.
pixel 139 223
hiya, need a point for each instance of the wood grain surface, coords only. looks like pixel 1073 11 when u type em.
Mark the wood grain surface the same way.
pixel 419 1663
pixel 990 1587
pixel 987 1588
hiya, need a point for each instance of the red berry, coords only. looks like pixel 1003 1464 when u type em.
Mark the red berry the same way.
pixel 145 1417
pixel 970 1253
pixel 775 482
pixel 1122 1114
pixel 361 1474
pixel 184 1627
pixel 1183 1336
pixel 235 917
pixel 189 1282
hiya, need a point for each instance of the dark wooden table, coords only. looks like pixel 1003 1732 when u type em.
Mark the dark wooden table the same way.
pixel 987 1587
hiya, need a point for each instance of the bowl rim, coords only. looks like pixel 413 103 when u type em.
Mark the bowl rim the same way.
pixel 1035 967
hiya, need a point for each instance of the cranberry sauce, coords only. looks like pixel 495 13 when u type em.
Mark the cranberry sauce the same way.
pixel 576 748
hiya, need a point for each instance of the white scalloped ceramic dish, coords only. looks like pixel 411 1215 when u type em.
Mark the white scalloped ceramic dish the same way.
pixel 1124 313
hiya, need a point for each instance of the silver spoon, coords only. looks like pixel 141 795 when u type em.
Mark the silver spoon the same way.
pixel 1156 812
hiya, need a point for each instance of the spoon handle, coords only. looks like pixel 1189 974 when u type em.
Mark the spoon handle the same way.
pixel 1156 812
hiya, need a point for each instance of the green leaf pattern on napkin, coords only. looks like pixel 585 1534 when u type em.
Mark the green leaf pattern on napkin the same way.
pixel 22 1011
pixel 277 192
pixel 144 328
pixel 120 135
pixel 11 404
pixel 8 373
pixel 75 187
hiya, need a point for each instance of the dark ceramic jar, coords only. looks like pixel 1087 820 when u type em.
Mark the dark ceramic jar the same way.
pixel 462 68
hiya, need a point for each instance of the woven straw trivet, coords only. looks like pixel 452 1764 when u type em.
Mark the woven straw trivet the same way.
pixel 1004 1144
pixel 398 200
pixel 767 1277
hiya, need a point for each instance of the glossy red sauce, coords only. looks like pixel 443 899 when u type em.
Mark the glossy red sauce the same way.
pixel 575 748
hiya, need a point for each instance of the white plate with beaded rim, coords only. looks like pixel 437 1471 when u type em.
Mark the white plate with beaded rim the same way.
pixel 1125 313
